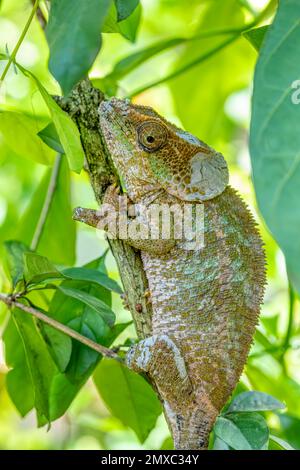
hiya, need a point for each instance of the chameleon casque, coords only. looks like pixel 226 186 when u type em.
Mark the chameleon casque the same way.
pixel 205 302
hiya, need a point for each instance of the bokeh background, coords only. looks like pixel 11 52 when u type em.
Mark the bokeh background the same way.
pixel 213 101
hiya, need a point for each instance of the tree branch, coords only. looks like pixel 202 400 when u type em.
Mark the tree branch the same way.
pixel 11 302
pixel 20 40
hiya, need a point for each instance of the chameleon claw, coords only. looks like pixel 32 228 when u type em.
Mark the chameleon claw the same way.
pixel 147 295
pixel 125 302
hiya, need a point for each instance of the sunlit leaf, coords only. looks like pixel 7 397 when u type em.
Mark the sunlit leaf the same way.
pixel 40 364
pixel 129 397
pixel 66 130
pixel 49 135
pixel 18 380
pixel 19 132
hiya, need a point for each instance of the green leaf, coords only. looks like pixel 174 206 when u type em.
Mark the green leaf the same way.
pixel 132 61
pixel 82 318
pixel 66 130
pixel 38 268
pixel 219 444
pixel 289 429
pixel 74 36
pixel 127 28
pixel 167 444
pixel 256 36
pixel 274 136
pixel 15 261
pixel 269 376
pixel 254 428
pixel 40 364
pixel 201 108
pixel 93 302
pixel 125 8
pixel 129 397
pixel 27 144
pixel 58 245
pixel 243 431
pixel 92 275
pixel 60 346
pixel 49 135
pixel 18 379
pixel 254 401
pixel 280 443
pixel 226 430
pixel 83 360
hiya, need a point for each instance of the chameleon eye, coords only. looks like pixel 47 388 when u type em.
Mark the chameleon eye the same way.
pixel 152 135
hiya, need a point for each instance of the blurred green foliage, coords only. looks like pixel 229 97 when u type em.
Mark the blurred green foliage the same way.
pixel 195 66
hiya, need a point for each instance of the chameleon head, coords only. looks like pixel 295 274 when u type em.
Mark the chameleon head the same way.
pixel 151 154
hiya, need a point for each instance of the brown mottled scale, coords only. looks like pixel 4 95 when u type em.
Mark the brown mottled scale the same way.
pixel 208 300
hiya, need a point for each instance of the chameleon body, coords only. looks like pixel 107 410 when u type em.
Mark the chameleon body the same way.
pixel 205 301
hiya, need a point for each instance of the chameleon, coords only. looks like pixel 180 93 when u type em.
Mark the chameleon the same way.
pixel 205 301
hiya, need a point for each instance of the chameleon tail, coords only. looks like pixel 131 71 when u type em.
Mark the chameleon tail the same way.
pixel 190 417
pixel 190 429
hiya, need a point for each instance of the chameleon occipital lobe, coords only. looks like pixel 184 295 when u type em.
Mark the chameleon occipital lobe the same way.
pixel 205 300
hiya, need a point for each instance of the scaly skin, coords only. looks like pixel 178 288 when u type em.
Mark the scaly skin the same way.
pixel 205 301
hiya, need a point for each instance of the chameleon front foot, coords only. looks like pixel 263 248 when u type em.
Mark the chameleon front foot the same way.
pixel 125 301
pixel 147 295
pixel 160 358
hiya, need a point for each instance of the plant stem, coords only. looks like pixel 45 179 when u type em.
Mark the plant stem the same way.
pixel 186 67
pixel 236 31
pixel 40 16
pixel 292 303
pixel 11 302
pixel 21 38
pixel 47 203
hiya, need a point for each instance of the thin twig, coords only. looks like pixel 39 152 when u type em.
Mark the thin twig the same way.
pixel 292 302
pixel 21 38
pixel 236 35
pixel 186 67
pixel 47 204
pixel 11 302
